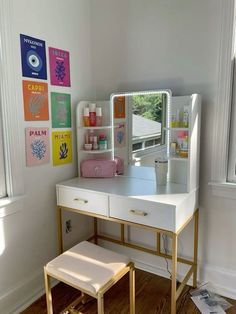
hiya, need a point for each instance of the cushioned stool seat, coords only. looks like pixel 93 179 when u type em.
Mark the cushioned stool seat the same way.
pixel 90 269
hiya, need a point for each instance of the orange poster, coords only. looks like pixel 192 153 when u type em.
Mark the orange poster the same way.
pixel 119 107
pixel 35 95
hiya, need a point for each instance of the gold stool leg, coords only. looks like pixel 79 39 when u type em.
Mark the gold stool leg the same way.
pixel 48 292
pixel 100 303
pixel 173 273
pixel 132 289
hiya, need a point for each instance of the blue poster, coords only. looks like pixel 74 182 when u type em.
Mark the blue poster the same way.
pixel 33 57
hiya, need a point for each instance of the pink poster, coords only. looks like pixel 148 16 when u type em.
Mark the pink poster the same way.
pixel 37 146
pixel 59 61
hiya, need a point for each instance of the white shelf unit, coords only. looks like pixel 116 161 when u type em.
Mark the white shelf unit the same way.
pixel 185 170
pixel 106 129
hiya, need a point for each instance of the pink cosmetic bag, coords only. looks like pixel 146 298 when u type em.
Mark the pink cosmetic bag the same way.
pixel 93 168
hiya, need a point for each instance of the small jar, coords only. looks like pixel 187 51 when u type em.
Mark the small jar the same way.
pixel 99 116
pixel 86 117
pixel 102 142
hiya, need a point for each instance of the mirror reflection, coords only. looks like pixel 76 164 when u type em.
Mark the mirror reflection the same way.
pixel 139 126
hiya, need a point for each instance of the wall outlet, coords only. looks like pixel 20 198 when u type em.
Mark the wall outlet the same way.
pixel 68 226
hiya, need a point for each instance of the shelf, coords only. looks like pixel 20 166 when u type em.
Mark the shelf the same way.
pixel 176 129
pixel 96 151
pixel 95 127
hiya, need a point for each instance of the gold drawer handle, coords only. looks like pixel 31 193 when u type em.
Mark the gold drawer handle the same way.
pixel 137 212
pixel 80 200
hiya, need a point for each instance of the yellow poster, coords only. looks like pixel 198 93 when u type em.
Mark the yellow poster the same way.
pixel 62 147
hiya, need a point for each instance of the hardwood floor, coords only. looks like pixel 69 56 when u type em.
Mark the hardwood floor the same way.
pixel 152 297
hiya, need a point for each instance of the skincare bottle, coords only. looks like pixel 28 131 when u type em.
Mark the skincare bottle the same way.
pixel 95 142
pixel 99 116
pixel 86 116
pixel 92 114
pixel 185 117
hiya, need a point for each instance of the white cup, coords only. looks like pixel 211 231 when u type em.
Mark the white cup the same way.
pixel 161 169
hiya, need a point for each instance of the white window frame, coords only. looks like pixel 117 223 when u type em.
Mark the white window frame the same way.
pixel 12 114
pixel 220 186
pixel 2 163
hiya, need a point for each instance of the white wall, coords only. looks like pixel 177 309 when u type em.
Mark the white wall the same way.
pixel 155 44
pixel 28 237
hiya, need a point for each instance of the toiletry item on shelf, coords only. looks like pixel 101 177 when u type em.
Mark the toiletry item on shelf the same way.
pixel 182 144
pixel 185 117
pixel 102 142
pixel 88 146
pixel 92 114
pixel 173 146
pixel 173 121
pixel 86 117
pixel 86 138
pixel 91 136
pixel 99 116
pixel 177 124
pixel 95 142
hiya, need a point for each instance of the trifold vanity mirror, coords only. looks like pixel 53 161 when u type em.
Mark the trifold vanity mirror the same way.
pixel 150 129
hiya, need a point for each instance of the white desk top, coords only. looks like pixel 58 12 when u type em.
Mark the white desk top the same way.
pixel 137 182
pixel 172 205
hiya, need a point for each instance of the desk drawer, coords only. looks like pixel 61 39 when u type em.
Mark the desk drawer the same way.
pixel 147 213
pixel 83 200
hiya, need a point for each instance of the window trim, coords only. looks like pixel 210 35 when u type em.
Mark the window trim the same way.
pixel 220 143
pixel 12 115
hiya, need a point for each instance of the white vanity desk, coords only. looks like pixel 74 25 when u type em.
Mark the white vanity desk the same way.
pixel 134 199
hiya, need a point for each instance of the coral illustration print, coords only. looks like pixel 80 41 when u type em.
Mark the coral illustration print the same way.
pixel 62 148
pixel 38 149
pixel 61 110
pixel 35 96
pixel 63 151
pixel 59 61
pixel 37 146
pixel 119 134
pixel 60 70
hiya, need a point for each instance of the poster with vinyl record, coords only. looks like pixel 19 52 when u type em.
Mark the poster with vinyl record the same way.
pixel 33 57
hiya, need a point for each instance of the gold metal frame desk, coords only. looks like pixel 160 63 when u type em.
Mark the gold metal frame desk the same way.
pixel 134 200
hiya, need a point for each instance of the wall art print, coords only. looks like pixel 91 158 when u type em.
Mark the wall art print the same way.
pixel 119 107
pixel 119 134
pixel 59 61
pixel 61 110
pixel 37 146
pixel 35 97
pixel 62 147
pixel 33 57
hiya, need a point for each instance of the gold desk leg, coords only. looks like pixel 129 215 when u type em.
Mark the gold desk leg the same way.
pixel 59 230
pixel 95 230
pixel 195 254
pixel 173 273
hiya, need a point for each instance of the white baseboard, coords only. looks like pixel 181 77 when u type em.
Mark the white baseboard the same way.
pixel 23 294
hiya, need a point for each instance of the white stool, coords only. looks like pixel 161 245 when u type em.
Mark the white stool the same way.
pixel 91 269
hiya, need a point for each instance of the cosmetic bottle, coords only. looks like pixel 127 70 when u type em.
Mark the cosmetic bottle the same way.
pixel 98 116
pixel 185 117
pixel 86 117
pixel 102 142
pixel 92 114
